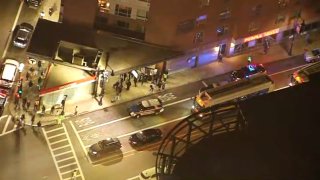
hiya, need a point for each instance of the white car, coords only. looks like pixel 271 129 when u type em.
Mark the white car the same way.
pixel 312 56
pixel 149 174
pixel 9 70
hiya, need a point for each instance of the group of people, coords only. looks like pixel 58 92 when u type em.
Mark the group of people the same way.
pixel 125 81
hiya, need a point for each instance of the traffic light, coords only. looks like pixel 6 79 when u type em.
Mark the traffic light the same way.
pixel 20 90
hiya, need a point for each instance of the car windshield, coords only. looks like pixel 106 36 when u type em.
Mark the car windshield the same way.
pixel 22 34
pixel 141 136
pixel 8 72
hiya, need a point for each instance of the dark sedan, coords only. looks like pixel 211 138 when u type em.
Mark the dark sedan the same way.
pixel 145 137
pixel 247 71
pixel 104 146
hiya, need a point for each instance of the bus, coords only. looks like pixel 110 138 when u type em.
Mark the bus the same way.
pixel 237 90
pixel 303 75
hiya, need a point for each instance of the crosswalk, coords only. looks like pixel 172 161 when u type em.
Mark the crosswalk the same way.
pixel 63 153
pixel 7 125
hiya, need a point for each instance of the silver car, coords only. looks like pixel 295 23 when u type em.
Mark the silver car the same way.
pixel 23 35
pixel 312 56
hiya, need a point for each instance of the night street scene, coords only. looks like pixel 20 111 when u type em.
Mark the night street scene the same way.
pixel 160 90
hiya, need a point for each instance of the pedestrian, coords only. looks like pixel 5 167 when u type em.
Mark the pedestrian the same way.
pixel 33 118
pixel 159 84
pixel 43 108
pixel 76 110
pixel 30 83
pixel 28 105
pixel 163 86
pixel 124 76
pixel 28 75
pixel 24 102
pixel 135 81
pixel 308 39
pixel 142 79
pixel 116 84
pixel 52 110
pixel 151 88
pixel 120 88
pixel 220 57
pixel 39 124
pixel 39 80
pixel 165 77
pixel 74 174
pixel 128 84
pixel 39 64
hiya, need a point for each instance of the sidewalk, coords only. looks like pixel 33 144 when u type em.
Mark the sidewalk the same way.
pixel 276 52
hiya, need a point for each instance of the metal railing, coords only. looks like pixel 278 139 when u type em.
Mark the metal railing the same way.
pixel 211 121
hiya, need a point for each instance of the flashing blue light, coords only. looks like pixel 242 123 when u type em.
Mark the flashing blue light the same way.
pixel 251 67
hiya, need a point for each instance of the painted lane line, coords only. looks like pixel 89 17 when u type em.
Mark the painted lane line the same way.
pixel 110 122
pixel 3 116
pixel 56 142
pixel 204 83
pixel 6 125
pixel 52 155
pixel 74 153
pixel 180 101
pixel 12 29
pixel 157 125
pixel 127 117
pixel 60 154
pixel 80 141
pixel 280 72
pixel 54 130
pixel 65 159
pixel 56 135
pixel 55 149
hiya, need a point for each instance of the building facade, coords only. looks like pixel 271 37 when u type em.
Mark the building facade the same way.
pixel 203 29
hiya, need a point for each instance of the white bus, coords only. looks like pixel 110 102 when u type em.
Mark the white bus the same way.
pixel 302 75
pixel 242 89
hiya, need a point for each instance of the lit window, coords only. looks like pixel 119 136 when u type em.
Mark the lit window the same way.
pixel 222 30
pixel 141 14
pixel 123 10
pixel 205 3
pixel 225 14
pixel 104 5
pixel 202 18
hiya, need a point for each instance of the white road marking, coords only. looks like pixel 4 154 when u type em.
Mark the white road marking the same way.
pixel 3 116
pixel 103 124
pixel 80 141
pixel 154 126
pixel 298 67
pixel 6 125
pixel 12 29
pixel 204 83
pixel 176 102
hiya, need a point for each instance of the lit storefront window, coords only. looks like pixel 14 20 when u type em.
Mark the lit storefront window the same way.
pixel 104 5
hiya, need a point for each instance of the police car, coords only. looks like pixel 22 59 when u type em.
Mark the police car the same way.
pixel 247 71
pixel 146 107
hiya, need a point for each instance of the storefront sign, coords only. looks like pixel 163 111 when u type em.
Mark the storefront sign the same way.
pixel 258 36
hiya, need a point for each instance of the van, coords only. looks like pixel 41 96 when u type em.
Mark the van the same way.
pixel 9 71
pixel 303 75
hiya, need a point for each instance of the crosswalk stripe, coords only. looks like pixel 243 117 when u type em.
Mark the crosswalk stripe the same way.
pixel 6 125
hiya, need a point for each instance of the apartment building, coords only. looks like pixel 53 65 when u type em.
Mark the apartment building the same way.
pixel 205 28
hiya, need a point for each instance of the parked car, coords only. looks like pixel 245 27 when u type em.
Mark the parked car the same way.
pixel 104 146
pixel 145 137
pixel 247 71
pixel 8 73
pixel 149 174
pixel 312 56
pixel 23 35
pixel 146 107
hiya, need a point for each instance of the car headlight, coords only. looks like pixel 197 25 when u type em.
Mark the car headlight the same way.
pixel 192 107
pixel 94 152
pixel 132 113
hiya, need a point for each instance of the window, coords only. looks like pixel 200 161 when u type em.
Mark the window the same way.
pixel 123 24
pixel 253 26
pixel 222 30
pixel 104 5
pixel 201 19
pixel 142 14
pixel 256 10
pixel 205 3
pixel 185 26
pixel 123 10
pixel 280 18
pixel 102 20
pixel 198 38
pixel 225 15
pixel 282 3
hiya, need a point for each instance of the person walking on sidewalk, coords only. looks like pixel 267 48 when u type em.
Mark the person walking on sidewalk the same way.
pixel 28 105
pixel 163 86
pixel 52 110
pixel 43 109
pixel 24 102
pixel 28 75
pixel 135 80
pixel 33 117
pixel 30 83
pixel 128 83
pixel 76 110
pixel 39 125
pixel 151 88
